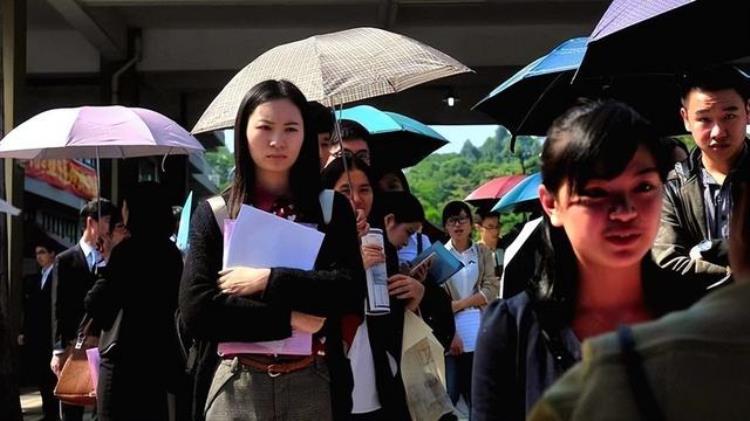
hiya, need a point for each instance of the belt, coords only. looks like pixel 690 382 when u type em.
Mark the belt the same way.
pixel 277 368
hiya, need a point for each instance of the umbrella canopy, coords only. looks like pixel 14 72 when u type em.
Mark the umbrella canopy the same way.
pixel 524 193
pixel 396 141
pixel 528 102
pixel 493 190
pixel 666 36
pixel 97 132
pixel 336 68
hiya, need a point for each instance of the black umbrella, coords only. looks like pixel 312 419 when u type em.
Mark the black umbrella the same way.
pixel 528 102
pixel 666 36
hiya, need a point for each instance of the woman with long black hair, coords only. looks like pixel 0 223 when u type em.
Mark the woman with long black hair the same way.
pixel 276 171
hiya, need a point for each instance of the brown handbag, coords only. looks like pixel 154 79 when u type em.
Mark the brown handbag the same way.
pixel 74 386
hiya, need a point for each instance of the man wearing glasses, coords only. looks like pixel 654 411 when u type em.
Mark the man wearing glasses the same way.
pixel 488 225
pixel 354 142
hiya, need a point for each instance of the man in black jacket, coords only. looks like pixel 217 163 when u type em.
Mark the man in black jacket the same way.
pixel 698 197
pixel 36 336
pixel 73 275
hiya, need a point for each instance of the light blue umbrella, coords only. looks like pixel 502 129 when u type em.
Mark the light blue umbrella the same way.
pixel 396 141
pixel 184 228
pixel 523 194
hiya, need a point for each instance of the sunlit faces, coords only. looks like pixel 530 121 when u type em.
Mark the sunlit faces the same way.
pixel 275 132
pixel 717 121
pixel 398 233
pixel 610 223
pixel 459 227
pixel 360 194
pixel 489 229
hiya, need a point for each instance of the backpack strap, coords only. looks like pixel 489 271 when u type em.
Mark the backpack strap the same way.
pixel 326 205
pixel 219 209
pixel 642 392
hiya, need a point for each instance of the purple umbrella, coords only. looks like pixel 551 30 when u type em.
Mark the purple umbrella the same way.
pixel 97 132
pixel 666 36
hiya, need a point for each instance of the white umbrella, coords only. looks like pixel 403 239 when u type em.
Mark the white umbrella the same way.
pixel 335 69
pixel 97 132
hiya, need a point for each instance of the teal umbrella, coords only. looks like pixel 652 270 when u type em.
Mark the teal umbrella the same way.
pixel 396 141
pixel 521 197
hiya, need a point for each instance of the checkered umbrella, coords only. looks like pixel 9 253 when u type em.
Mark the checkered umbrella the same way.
pixel 334 69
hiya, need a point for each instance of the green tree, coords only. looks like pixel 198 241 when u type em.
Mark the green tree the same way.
pixel 441 178
pixel 222 163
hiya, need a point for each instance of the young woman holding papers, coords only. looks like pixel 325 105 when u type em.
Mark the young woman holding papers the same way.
pixel 471 288
pixel 602 174
pixel 276 171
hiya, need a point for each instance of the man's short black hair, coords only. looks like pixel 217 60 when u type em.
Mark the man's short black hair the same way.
pixel 92 209
pixel 322 117
pixel 454 208
pixel 352 130
pixel 716 78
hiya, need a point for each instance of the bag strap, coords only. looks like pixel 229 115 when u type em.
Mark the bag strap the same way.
pixel 639 384
pixel 419 243
pixel 219 208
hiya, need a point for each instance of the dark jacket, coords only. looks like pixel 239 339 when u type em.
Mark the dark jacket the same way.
pixel 71 279
pixel 335 287
pixel 37 320
pixel 142 279
pixel 683 223
pixel 526 342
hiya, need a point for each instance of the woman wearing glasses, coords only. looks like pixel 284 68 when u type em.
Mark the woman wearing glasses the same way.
pixel 470 289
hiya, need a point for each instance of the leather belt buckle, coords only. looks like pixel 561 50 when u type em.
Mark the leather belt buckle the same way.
pixel 272 372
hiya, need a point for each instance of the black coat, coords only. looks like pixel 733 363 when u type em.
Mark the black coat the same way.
pixel 526 342
pixel 334 288
pixel 142 279
pixel 37 320
pixel 71 279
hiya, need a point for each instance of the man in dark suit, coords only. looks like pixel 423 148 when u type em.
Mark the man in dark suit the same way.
pixel 36 337
pixel 73 275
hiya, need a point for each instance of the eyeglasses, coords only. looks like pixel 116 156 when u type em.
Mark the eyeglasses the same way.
pixel 457 220
pixel 363 154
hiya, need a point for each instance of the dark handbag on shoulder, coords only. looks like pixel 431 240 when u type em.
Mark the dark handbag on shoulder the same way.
pixel 74 386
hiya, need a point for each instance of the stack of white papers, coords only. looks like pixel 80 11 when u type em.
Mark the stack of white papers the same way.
pixel 262 240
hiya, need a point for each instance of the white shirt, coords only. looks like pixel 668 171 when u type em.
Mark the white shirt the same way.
pixel 465 280
pixel 45 275
pixel 92 255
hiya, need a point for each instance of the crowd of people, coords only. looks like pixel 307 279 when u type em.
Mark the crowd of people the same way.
pixel 621 304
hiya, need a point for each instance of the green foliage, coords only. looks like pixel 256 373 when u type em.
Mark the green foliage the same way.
pixel 441 178
pixel 222 163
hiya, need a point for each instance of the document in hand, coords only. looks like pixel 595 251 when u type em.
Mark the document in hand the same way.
pixel 263 240
pixel 444 263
